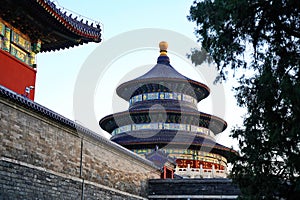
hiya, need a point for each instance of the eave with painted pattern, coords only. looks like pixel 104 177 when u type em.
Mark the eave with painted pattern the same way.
pixel 45 21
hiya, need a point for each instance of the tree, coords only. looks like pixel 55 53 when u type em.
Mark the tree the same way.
pixel 262 36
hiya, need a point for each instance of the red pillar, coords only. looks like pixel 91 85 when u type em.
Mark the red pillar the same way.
pixel 165 172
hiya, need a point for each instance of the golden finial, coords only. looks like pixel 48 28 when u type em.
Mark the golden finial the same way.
pixel 163 45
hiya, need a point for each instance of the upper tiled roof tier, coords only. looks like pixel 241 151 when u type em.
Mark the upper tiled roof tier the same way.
pixel 163 77
pixel 43 20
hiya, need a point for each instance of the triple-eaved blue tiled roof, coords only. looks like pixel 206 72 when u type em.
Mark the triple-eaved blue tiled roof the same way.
pixel 160 80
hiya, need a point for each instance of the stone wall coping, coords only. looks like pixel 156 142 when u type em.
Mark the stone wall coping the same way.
pixel 84 132
pixel 204 188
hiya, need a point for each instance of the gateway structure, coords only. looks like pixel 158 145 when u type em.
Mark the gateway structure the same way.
pixel 163 115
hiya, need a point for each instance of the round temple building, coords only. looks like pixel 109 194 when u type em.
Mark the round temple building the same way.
pixel 163 115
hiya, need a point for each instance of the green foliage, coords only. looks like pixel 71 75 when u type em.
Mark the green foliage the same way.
pixel 264 37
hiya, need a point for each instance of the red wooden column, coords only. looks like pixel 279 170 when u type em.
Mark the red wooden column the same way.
pixel 165 172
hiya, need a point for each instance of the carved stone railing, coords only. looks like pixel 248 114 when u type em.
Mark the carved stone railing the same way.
pixel 201 173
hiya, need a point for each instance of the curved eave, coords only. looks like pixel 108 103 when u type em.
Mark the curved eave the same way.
pixel 85 33
pixel 111 122
pixel 199 90
pixel 42 20
pixel 78 27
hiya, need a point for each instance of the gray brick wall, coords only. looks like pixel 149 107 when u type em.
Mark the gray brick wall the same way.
pixel 22 182
pixel 33 138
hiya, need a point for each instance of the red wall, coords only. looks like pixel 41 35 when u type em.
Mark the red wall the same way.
pixel 16 75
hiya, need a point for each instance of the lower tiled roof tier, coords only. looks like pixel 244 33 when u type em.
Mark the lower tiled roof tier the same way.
pixel 170 139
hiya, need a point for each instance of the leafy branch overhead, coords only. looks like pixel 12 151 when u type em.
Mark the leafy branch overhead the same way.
pixel 263 37
pixel 225 28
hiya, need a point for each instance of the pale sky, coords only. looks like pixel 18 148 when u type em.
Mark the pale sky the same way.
pixel 57 71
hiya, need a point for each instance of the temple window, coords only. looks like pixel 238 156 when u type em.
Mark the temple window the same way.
pixel 163 95
pixel 18 44
pixel 163 126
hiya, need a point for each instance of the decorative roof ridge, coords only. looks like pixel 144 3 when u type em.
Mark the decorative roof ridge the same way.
pixel 74 25
pixel 27 103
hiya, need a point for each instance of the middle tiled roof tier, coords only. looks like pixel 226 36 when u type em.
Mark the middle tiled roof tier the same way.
pixel 193 117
